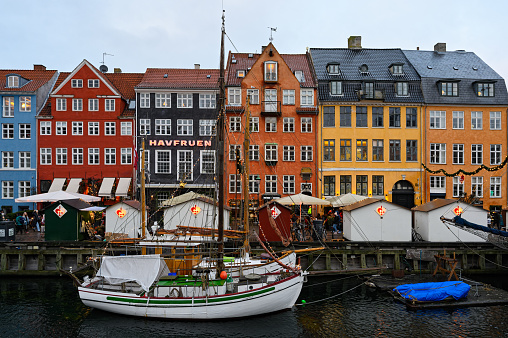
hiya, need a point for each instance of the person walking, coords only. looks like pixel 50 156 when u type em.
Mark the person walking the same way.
pixel 35 221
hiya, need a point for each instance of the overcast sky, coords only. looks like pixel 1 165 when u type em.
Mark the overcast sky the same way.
pixel 177 34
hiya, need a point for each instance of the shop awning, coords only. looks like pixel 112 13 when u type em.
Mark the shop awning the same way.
pixel 73 185
pixel 123 186
pixel 57 184
pixel 106 186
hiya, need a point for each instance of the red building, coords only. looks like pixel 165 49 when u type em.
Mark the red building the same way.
pixel 86 133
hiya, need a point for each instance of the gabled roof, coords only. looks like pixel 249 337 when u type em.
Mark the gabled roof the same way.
pixel 132 203
pixel 369 201
pixel 172 78
pixel 36 79
pixel 439 203
pixel 125 83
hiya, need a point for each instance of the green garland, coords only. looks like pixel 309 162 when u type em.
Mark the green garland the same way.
pixel 468 173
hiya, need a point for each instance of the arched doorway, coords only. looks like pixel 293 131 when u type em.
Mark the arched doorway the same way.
pixel 403 194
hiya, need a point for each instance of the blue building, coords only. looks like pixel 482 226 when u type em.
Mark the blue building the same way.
pixel 23 94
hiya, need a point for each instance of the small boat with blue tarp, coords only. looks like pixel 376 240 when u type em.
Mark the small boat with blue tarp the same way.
pixel 433 292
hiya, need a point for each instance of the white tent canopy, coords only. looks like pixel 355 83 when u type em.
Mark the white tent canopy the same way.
pixel 301 199
pixel 345 199
pixel 57 196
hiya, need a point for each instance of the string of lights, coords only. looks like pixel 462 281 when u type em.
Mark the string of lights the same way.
pixel 468 173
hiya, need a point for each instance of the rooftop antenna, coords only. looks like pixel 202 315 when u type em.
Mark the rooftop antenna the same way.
pixel 271 31
pixel 103 68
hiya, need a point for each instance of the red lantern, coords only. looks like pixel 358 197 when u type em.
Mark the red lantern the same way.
pixel 381 211
pixel 195 210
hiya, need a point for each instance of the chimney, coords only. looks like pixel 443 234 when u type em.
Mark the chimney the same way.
pixel 117 70
pixel 39 67
pixel 354 42
pixel 197 66
pixel 440 47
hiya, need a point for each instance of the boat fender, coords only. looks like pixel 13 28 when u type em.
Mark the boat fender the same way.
pixel 86 281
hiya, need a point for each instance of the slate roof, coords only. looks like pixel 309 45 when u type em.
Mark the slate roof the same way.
pixel 36 79
pixel 180 78
pixel 466 67
pixel 46 110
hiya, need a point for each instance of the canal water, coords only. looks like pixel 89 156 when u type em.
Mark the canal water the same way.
pixel 335 307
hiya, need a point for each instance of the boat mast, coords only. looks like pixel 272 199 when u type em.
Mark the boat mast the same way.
pixel 245 187
pixel 143 198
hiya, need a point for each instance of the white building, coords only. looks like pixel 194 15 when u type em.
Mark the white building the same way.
pixel 376 220
pixel 430 227
pixel 124 218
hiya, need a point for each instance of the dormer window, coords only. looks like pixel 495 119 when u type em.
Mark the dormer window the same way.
pixel 335 88
pixel 13 81
pixel 449 88
pixel 77 83
pixel 299 76
pixel 397 69
pixel 240 73
pixel 484 89
pixel 364 69
pixel 333 68
pixel 270 71
pixel 401 89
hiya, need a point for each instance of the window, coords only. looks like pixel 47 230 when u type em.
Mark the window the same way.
pixel 300 76
pixel 485 89
pixel 495 154
pixel 254 152
pixel 235 183
pixel 476 120
pixel 207 101
pixel 25 103
pixel 254 124
pixel 345 150
pixel 207 161
pixel 126 128
pixel 288 97
pixel 25 160
pixel 449 89
pixel 477 154
pixel 7 159
pixel 394 117
pixel 163 161
pixel 234 96
pixel 288 153
pixel 162 100
pixel 458 120
pixel 77 104
pixel 271 184
pixel 345 116
pixel 437 119
pixel 45 155
pixel 271 124
pixel 362 185
pixel 93 104
pixel 306 97
pixel 7 189
pixel 93 156
pixel 495 187
pixel 378 185
pixel 397 69
pixel 458 154
pixel 77 83
pixel 61 156
pixel 163 127
pixel 7 131
pixel 271 100
pixel 8 107
pixel 109 104
pixel 144 126
pixel 233 150
pixel 495 120
pixel 333 68
pixel 271 152
pixel 13 81
pixel 335 88
pixel 438 153
pixel 109 128
pixel 288 184
pixel 184 165
pixel 207 127
pixel 306 153
pixel 235 123
pixel 253 95
pixel 437 184
pixel 93 128
pixel 161 197
pixel 144 100
pixel 126 155
pixel 377 116
pixel 254 184
pixel 93 83
pixel 25 131
pixel 77 156
pixel 401 88
pixel 45 127
pixel 361 116
pixel 61 128
pixel 24 188
pixel 240 73
pixel 345 184
pixel 458 187
pixel 306 124
pixel 184 127
pixel 361 150
pixel 394 150
pixel 411 117
pixel 184 100
pixel 289 124
pixel 328 116
pixel 61 104
pixel 109 156
pixel 77 128
pixel 329 185
pixel 270 71
pixel 368 88
pixel 411 150
pixel 328 150
pixel 477 186
pixel 377 150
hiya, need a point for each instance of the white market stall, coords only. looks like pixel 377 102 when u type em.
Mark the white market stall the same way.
pixel 124 218
pixel 430 227
pixel 377 220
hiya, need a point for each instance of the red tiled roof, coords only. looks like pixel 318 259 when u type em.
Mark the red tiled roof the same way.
pixel 125 83
pixel 180 78
pixel 46 110
pixel 37 79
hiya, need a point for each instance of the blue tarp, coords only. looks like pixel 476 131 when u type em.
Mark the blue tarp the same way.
pixel 433 292
pixel 460 221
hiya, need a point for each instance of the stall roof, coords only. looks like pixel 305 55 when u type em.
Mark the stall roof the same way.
pixel 438 203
